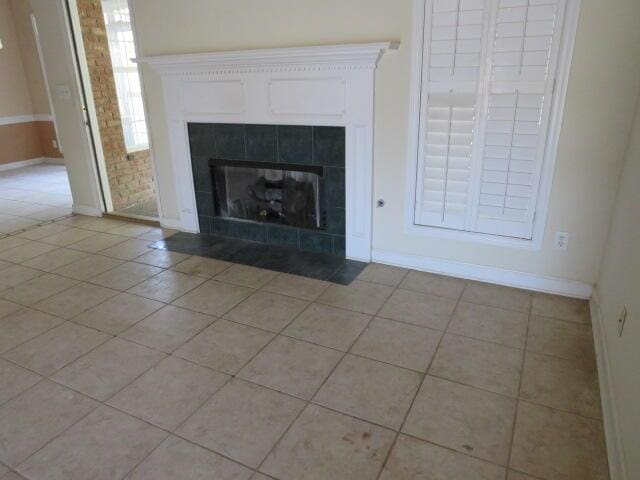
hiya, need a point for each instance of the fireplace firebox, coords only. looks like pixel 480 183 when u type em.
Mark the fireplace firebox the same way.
pixel 283 194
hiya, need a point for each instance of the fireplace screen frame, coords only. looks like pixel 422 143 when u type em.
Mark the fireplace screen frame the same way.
pixel 318 170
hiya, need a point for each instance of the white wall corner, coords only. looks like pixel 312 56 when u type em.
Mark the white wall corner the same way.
pixel 499 276
pixel 86 210
pixel 21 164
pixel 615 450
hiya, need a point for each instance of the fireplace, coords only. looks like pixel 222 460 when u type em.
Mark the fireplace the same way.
pixel 276 184
pixel 267 192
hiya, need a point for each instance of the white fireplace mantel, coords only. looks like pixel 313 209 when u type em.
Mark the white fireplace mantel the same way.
pixel 318 85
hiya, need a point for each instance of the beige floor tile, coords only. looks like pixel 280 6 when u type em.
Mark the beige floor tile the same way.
pixel 3 470
pixel 169 393
pixel 55 259
pixel 297 286
pixel 118 313
pixel 75 300
pixel 291 366
pixel 23 325
pixel 103 224
pixel 242 421
pixel 30 420
pixel 214 298
pixel 201 266
pixel 370 390
pixel 513 475
pixel 125 276
pixel 551 444
pixel 68 237
pixel 479 364
pixel 15 275
pixel 168 328
pixel 7 307
pixel 382 274
pixel 31 292
pixel 98 242
pixel 176 458
pixel 433 284
pixel 562 384
pixel 562 339
pixel 419 309
pixel 107 369
pixel 463 418
pixel 10 242
pixel 161 258
pixel 54 349
pixel 77 220
pixel 258 476
pixel 26 251
pixel 359 296
pixel 88 267
pixel 166 286
pixel 104 445
pixel 268 311
pixel 561 308
pixel 413 459
pixel 322 444
pixel 44 231
pixel 128 250
pixel 497 296
pixel 224 346
pixel 246 276
pixel 401 344
pixel 14 380
pixel 131 229
pixel 328 326
pixel 506 327
pixel 156 234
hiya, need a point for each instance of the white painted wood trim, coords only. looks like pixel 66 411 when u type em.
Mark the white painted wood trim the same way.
pixel 615 450
pixel 21 164
pixel 555 122
pixel 321 85
pixel 54 160
pixel 510 278
pixel 40 117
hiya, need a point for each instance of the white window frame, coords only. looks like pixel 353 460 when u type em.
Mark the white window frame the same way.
pixel 555 121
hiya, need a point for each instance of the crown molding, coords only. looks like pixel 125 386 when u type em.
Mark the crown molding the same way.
pixel 320 57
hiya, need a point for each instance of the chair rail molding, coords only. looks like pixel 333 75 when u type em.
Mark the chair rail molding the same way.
pixel 328 85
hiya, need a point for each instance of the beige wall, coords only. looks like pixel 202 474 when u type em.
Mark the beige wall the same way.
pixel 15 98
pixel 618 286
pixel 605 79
pixel 29 54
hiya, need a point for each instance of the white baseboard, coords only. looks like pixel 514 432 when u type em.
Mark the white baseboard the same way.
pixel 86 210
pixel 615 452
pixel 54 161
pixel 171 223
pixel 511 278
pixel 21 164
pixel 39 117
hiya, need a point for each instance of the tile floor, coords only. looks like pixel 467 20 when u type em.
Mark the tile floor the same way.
pixel 118 361
pixel 33 194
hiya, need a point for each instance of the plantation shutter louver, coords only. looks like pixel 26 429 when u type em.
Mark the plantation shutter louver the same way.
pixel 524 54
pixel 451 75
pixel 485 109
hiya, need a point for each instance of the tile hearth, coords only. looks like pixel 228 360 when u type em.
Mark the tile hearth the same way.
pixel 122 361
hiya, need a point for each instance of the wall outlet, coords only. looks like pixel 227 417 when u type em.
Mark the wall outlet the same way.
pixel 622 320
pixel 562 240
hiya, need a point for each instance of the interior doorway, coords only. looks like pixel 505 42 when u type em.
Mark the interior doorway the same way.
pixel 105 48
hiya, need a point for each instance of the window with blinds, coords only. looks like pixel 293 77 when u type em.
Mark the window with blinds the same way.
pixel 488 72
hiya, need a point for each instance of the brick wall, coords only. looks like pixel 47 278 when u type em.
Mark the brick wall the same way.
pixel 130 176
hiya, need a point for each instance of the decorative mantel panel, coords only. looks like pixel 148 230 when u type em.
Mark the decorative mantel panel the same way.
pixel 321 85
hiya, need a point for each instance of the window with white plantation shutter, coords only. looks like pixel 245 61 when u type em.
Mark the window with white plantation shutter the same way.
pixel 451 74
pixel 485 109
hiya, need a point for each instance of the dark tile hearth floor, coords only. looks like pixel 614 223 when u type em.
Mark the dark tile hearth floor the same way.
pixel 320 266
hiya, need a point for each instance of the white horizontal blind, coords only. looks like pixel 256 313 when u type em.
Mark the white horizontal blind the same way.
pixel 524 47
pixel 451 73
pixel 483 130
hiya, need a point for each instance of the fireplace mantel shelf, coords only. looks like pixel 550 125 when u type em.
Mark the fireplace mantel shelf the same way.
pixel 356 55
